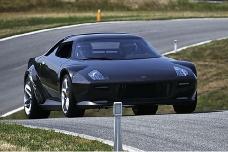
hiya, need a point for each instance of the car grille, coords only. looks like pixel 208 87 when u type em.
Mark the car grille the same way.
pixel 151 90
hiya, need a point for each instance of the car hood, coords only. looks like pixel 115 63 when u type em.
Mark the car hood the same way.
pixel 152 69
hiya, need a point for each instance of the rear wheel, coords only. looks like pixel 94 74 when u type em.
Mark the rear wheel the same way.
pixel 68 105
pixel 145 110
pixel 31 106
pixel 187 108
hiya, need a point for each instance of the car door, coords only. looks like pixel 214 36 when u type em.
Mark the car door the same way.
pixel 52 65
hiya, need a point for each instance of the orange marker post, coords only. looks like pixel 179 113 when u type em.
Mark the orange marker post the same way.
pixel 98 15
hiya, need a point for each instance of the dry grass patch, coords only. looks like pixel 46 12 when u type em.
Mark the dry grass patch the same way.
pixel 4 146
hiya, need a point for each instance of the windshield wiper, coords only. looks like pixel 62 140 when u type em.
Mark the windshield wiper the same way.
pixel 97 58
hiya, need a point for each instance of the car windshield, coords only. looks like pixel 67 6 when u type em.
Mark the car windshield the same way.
pixel 113 49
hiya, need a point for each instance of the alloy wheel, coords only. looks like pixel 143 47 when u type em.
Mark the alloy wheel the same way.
pixel 65 99
pixel 27 97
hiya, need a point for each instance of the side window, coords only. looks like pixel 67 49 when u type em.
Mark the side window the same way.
pixel 53 48
pixel 64 50
pixel 50 51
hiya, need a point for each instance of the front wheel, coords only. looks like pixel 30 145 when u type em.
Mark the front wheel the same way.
pixel 145 110
pixel 31 106
pixel 187 108
pixel 68 105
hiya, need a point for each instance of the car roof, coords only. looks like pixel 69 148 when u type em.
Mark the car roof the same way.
pixel 90 36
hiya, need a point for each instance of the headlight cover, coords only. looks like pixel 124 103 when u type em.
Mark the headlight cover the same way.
pixel 180 71
pixel 96 75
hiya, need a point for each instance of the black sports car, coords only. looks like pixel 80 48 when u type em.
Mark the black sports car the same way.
pixel 94 70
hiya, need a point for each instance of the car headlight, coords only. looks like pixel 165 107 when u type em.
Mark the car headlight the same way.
pixel 96 75
pixel 180 71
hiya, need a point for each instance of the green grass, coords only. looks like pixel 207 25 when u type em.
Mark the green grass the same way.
pixel 211 61
pixel 18 138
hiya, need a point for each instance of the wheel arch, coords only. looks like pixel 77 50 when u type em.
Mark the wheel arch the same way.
pixel 71 70
pixel 40 93
pixel 31 71
pixel 26 75
pixel 61 75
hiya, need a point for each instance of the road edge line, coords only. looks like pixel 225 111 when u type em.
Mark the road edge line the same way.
pixel 193 45
pixel 11 112
pixel 108 142
pixel 56 28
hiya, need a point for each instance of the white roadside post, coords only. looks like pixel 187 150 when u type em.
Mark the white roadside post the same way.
pixel 175 45
pixel 117 112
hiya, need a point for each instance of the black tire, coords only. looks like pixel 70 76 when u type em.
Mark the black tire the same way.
pixel 187 108
pixel 31 107
pixel 145 110
pixel 71 110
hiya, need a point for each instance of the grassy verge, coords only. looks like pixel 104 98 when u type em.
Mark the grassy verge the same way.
pixel 18 138
pixel 12 23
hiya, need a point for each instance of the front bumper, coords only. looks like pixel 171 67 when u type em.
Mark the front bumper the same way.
pixel 135 93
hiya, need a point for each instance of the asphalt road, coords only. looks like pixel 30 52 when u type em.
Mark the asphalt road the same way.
pixel 173 132
pixel 166 132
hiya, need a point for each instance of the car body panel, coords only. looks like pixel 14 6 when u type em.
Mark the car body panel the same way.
pixel 133 81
